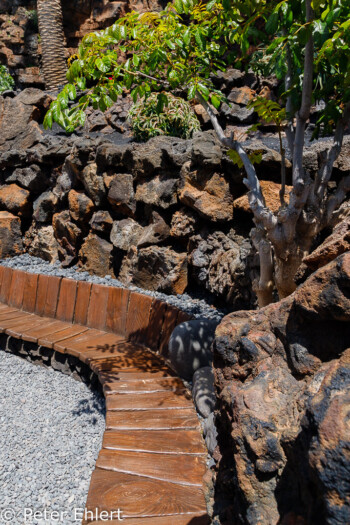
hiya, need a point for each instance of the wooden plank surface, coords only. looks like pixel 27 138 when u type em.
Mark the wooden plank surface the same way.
pixel 140 497
pixel 179 468
pixel 82 302
pixel 66 300
pixel 152 419
pixel 157 441
pixel 117 310
pixel 155 400
pixel 30 291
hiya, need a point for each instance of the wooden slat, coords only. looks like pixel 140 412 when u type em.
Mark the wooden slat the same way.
pixel 155 400
pixel 49 339
pixel 30 324
pixel 188 519
pixel 138 363
pixel 5 285
pixel 66 300
pixel 117 310
pixel 170 321
pixel 64 346
pixel 82 302
pixel 152 419
pixel 137 496
pixel 29 293
pixel 142 384
pixel 183 469
pixel 43 282
pixel 98 307
pixel 17 289
pixel 157 441
pixel 155 324
pixel 32 335
pixel 138 317
pixel 99 342
pixel 52 296
pixel 14 321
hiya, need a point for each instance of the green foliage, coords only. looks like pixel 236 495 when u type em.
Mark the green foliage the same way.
pixel 6 81
pixel 176 48
pixel 268 110
pixel 161 114
pixel 181 46
pixel 255 157
pixel 287 34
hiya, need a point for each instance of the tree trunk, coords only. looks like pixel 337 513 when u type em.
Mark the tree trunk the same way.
pixel 52 41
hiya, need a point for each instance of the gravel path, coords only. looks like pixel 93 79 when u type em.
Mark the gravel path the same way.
pixel 51 429
pixel 196 307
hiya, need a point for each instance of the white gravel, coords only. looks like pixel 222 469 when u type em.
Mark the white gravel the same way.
pixel 51 429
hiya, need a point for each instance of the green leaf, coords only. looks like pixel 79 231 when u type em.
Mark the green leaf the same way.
pixel 187 36
pixel 203 90
pixel 72 92
pixel 215 100
pixel 48 120
pixel 135 60
pixel 192 92
pixel 103 65
pixel 271 25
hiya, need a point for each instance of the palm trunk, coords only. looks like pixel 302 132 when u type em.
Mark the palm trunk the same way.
pixel 52 40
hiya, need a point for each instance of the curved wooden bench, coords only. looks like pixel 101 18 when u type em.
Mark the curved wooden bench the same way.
pixel 153 456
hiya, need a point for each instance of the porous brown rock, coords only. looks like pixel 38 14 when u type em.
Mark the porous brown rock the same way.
pixel 10 235
pixel 96 256
pixel 220 264
pixel 80 206
pixel 241 95
pixel 183 223
pixel 282 380
pixel 155 268
pixel 271 194
pixel 93 183
pixel 68 236
pixel 31 178
pixel 207 193
pixel 45 206
pixel 101 221
pixel 16 200
pixel 40 241
pixel 335 244
pixel 126 233
pixel 121 194
pixel 160 191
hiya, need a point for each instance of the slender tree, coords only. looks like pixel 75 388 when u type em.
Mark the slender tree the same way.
pixel 52 40
pixel 306 44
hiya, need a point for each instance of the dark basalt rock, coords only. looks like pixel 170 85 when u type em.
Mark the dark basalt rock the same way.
pixel 282 378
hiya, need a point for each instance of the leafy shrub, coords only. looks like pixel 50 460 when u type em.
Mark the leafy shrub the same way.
pixel 162 115
pixel 6 81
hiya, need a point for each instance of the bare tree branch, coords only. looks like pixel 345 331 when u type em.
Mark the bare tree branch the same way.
pixel 325 171
pixel 256 199
pixel 335 200
pixel 304 112
pixel 290 131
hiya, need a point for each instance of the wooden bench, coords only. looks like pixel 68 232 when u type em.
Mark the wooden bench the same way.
pixel 153 456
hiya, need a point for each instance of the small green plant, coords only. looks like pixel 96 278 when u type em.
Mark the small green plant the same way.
pixel 157 115
pixel 6 81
